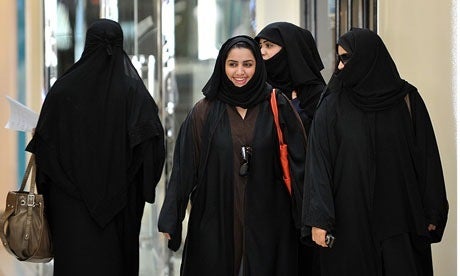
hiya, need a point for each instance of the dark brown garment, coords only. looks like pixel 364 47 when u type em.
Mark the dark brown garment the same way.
pixel 242 135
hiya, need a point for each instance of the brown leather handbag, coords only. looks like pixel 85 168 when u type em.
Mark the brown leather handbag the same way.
pixel 24 230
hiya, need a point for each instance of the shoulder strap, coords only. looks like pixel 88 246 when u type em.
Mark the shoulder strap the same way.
pixel 274 106
pixel 30 166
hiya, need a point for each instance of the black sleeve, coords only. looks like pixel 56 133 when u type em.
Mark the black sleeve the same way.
pixel 318 202
pixel 431 179
pixel 182 181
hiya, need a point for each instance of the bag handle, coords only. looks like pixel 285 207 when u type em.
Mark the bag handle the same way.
pixel 274 106
pixel 30 166
pixel 283 150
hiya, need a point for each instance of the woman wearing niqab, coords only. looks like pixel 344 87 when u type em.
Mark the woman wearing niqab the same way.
pixel 99 149
pixel 242 222
pixel 296 68
pixel 374 176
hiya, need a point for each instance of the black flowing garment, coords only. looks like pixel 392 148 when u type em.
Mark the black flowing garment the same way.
pixel 297 67
pixel 204 173
pixel 374 173
pixel 99 147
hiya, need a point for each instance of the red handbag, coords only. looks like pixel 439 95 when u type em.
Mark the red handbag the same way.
pixel 283 147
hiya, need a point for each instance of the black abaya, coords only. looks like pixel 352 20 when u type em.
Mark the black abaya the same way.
pixel 374 176
pixel 99 148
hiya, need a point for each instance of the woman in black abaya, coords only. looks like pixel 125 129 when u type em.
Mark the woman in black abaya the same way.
pixel 243 220
pixel 293 65
pixel 99 148
pixel 374 176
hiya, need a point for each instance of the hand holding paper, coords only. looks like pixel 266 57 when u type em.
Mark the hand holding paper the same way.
pixel 21 118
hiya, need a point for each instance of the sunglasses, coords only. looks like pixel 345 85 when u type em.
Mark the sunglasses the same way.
pixel 246 153
pixel 344 58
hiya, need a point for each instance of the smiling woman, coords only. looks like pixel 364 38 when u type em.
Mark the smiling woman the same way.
pixel 243 220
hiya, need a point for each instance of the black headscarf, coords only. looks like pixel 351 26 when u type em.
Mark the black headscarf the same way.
pixel 92 119
pixel 298 64
pixel 220 87
pixel 370 74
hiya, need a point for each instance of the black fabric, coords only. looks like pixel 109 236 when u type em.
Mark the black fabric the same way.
pixel 99 141
pixel 297 67
pixel 371 73
pixel 219 86
pixel 373 168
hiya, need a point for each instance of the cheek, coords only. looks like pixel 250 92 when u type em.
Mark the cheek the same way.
pixel 250 72
pixel 228 71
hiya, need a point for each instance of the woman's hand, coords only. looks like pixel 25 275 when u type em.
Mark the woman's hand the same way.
pixel 319 236
pixel 167 236
pixel 431 227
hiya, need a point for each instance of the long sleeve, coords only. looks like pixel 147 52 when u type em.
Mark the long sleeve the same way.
pixel 153 162
pixel 431 180
pixel 318 203
pixel 182 182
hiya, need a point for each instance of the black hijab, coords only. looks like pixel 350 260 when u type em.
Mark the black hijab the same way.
pixel 220 87
pixel 298 63
pixel 91 121
pixel 370 75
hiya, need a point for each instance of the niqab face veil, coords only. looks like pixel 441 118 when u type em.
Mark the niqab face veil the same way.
pixel 298 63
pixel 370 75
pixel 220 87
pixel 92 119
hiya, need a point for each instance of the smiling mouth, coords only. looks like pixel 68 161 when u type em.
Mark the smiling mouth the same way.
pixel 240 80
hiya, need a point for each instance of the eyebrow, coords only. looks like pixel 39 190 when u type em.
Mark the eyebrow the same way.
pixel 248 60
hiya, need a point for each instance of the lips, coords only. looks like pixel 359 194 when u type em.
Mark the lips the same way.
pixel 239 81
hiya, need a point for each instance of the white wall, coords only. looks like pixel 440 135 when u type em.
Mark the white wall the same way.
pixel 268 11
pixel 419 35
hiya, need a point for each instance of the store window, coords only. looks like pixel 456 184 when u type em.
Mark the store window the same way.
pixel 329 19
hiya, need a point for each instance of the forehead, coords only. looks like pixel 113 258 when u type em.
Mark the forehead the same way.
pixel 341 50
pixel 240 54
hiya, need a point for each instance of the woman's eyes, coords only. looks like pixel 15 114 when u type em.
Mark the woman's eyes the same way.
pixel 245 64
pixel 266 45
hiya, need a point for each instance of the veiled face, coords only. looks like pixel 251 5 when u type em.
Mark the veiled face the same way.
pixel 343 57
pixel 240 66
pixel 268 48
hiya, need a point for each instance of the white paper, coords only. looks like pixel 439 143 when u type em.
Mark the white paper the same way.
pixel 21 118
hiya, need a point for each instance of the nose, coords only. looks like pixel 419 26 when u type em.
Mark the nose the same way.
pixel 263 51
pixel 240 70
pixel 340 65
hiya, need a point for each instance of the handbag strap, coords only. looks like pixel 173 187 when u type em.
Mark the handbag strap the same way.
pixel 30 167
pixel 274 106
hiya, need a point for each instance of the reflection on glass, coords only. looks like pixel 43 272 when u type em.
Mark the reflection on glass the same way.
pixel 207 21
